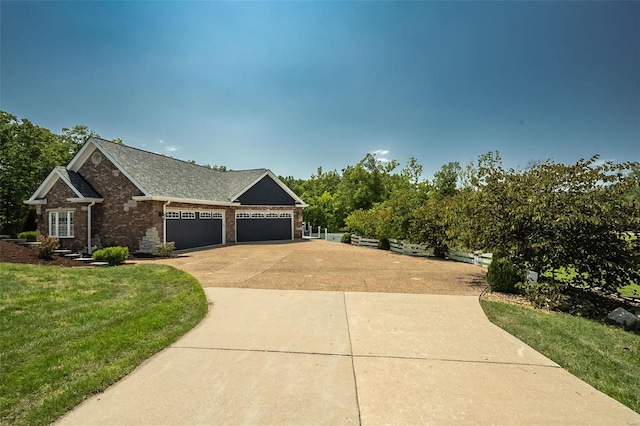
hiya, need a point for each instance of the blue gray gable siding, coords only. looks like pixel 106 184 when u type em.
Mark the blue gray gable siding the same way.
pixel 266 192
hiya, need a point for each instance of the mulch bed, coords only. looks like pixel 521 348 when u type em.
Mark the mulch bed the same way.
pixel 14 253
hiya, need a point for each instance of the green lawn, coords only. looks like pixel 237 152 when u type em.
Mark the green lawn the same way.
pixel 632 290
pixel 67 333
pixel 564 274
pixel 606 357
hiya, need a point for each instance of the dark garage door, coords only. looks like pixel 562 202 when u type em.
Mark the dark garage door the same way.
pixel 194 229
pixel 263 226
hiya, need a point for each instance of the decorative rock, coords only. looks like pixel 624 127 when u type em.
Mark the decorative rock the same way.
pixel 624 318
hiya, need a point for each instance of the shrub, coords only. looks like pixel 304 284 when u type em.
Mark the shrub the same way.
pixel 28 235
pixel 166 249
pixel 47 247
pixel 548 295
pixel 440 251
pixel 503 276
pixel 384 244
pixel 346 238
pixel 113 255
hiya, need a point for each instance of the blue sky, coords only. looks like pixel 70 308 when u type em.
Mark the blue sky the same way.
pixel 296 85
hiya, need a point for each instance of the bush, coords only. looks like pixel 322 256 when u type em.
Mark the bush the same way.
pixel 503 276
pixel 346 238
pixel 549 295
pixel 384 244
pixel 47 247
pixel 113 255
pixel 440 251
pixel 28 235
pixel 166 249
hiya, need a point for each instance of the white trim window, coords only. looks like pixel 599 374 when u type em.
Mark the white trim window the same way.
pixel 216 215
pixel 257 215
pixel 285 215
pixel 172 215
pixel 61 224
pixel 204 215
pixel 187 215
pixel 243 215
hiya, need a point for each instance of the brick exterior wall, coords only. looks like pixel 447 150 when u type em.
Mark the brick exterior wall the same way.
pixel 56 200
pixel 120 220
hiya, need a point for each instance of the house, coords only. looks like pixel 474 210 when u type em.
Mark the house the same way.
pixel 113 194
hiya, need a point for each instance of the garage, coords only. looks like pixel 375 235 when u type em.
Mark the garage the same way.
pixel 190 229
pixel 264 226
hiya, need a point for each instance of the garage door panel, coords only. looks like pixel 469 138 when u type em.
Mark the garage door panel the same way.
pixel 257 229
pixel 190 233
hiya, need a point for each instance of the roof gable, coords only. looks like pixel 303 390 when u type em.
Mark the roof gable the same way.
pixel 266 192
pixel 272 179
pixel 80 187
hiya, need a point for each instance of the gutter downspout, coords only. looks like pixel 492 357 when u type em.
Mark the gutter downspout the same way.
pixel 91 204
pixel 164 221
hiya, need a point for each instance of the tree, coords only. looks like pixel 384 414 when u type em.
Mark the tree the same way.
pixel 77 135
pixel 445 180
pixel 28 153
pixel 555 216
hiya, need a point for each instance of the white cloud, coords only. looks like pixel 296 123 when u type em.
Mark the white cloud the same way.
pixel 160 141
pixel 380 155
pixel 171 148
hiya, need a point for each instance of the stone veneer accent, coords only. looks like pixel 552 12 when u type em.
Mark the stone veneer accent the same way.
pixel 150 241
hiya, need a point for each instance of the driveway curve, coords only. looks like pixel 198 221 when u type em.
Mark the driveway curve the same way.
pixel 281 356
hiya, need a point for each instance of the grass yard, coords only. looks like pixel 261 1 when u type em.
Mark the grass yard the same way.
pixel 632 290
pixel 564 274
pixel 67 333
pixel 606 357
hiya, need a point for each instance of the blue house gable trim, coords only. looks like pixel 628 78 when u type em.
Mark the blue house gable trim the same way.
pixel 266 192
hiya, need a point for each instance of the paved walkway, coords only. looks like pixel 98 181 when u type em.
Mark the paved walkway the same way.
pixel 312 357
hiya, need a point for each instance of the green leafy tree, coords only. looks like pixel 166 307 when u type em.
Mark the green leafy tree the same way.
pixel 77 135
pixel 446 179
pixel 554 216
pixel 28 153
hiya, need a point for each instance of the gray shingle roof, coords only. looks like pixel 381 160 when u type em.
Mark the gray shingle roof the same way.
pixel 168 177
pixel 81 185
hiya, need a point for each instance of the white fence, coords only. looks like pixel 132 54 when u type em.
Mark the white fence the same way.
pixel 475 258
pixel 410 249
pixel 364 242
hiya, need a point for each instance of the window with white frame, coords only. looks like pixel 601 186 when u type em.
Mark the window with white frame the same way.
pixel 61 224
pixel 243 215
pixel 285 214
pixel 216 215
pixel 172 215
pixel 257 214
pixel 205 215
pixel 187 215
pixel 271 215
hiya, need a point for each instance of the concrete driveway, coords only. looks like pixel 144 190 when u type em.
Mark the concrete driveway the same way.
pixel 332 357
